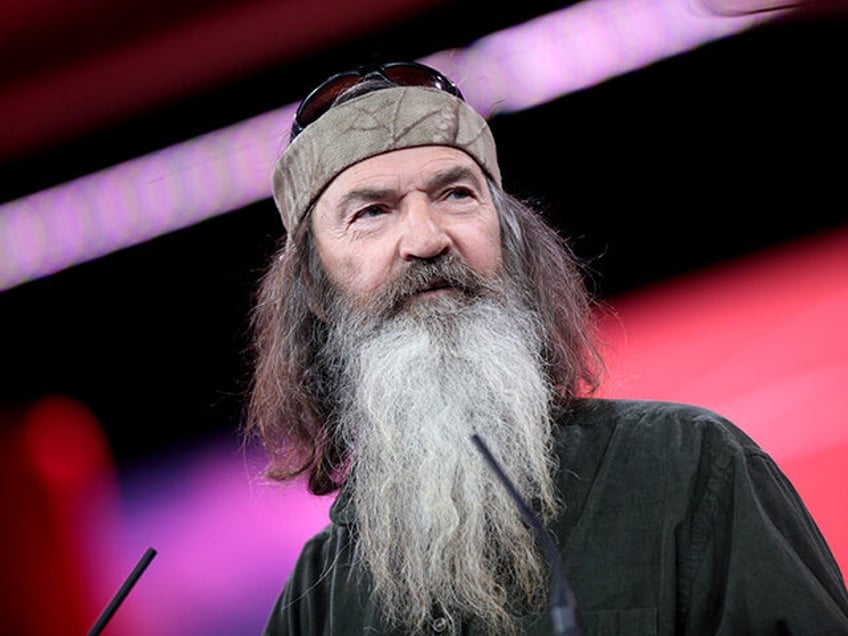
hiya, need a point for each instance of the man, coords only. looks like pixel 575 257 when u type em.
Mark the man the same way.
pixel 416 304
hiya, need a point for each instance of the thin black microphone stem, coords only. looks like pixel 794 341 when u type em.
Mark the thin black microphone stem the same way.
pixel 122 593
pixel 563 614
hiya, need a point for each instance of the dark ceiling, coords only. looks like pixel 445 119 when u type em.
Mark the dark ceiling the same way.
pixel 709 155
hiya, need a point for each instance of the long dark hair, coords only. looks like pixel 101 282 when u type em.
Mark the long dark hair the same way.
pixel 290 398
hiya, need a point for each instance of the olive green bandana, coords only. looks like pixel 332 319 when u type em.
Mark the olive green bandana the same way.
pixel 374 123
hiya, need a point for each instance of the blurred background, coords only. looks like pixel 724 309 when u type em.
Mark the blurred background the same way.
pixel 692 150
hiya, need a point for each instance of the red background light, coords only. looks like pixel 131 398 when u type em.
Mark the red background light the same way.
pixel 762 341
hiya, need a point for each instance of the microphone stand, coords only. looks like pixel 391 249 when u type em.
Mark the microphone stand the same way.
pixel 122 593
pixel 562 608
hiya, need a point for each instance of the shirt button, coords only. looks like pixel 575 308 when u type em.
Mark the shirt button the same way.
pixel 440 624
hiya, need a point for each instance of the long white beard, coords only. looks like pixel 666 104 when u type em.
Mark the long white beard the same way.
pixel 436 531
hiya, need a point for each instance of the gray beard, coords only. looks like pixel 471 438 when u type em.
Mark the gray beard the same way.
pixel 435 529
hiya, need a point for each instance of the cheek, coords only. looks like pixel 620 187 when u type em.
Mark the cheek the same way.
pixel 339 268
pixel 353 274
pixel 484 249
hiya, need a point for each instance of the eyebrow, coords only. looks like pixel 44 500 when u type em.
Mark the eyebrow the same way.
pixel 361 195
pixel 438 180
pixel 452 175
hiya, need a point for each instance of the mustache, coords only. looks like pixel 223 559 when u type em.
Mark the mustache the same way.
pixel 444 272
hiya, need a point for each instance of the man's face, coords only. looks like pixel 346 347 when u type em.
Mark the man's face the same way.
pixel 384 213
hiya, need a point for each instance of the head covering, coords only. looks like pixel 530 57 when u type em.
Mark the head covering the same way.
pixel 371 124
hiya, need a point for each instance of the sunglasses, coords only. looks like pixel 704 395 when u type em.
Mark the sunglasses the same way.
pixel 322 98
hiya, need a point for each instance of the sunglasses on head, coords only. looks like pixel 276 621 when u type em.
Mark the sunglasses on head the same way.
pixel 322 98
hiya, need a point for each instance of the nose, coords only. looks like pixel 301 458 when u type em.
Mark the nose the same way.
pixel 423 233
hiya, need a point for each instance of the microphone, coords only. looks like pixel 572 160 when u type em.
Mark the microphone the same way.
pixel 562 608
pixel 122 593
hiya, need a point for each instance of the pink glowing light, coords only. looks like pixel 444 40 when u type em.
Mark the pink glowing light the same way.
pixel 225 543
pixel 517 68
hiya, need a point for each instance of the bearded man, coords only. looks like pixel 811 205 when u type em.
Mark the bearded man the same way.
pixel 416 304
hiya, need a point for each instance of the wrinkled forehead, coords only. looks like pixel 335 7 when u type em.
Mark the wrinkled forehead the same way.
pixel 374 124
pixel 396 172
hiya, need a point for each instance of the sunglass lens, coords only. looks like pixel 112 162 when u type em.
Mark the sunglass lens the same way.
pixel 415 75
pixel 321 99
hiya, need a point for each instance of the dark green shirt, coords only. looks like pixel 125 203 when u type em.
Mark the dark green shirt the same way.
pixel 674 522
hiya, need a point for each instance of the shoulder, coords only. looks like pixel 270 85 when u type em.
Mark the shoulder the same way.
pixel 669 447
pixel 314 566
pixel 678 427
pixel 317 558
pixel 308 586
pixel 640 412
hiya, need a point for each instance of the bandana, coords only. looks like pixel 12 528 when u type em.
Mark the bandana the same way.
pixel 371 124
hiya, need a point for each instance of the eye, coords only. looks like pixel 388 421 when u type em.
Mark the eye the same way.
pixel 368 212
pixel 459 192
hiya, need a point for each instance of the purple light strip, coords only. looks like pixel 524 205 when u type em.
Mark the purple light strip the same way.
pixel 139 199
pixel 230 168
pixel 578 47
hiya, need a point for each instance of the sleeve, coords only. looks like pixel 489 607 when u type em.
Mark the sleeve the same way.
pixel 763 565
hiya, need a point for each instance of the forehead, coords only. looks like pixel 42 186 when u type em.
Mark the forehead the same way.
pixel 406 165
